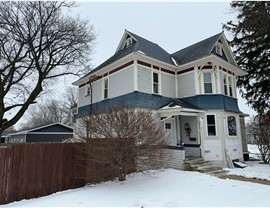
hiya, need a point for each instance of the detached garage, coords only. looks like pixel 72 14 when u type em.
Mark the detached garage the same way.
pixel 55 132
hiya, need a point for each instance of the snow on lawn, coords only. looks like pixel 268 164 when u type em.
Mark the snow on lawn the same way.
pixel 163 188
pixel 254 151
pixel 255 169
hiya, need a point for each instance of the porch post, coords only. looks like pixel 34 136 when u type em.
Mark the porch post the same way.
pixel 180 129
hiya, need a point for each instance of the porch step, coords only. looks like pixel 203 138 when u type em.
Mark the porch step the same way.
pixel 203 166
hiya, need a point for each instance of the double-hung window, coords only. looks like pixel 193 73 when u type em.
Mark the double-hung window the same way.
pixel 230 86
pixel 211 125
pixel 155 83
pixel 105 88
pixel 88 90
pixel 207 82
pixel 225 84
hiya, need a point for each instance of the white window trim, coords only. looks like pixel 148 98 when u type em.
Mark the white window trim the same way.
pixel 212 82
pixel 236 123
pixel 228 86
pixel 103 88
pixel 129 41
pixel 86 90
pixel 206 124
pixel 159 81
pixel 219 46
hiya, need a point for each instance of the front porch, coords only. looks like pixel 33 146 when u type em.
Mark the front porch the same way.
pixel 182 123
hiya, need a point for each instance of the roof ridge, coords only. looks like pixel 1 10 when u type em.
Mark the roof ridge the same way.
pixel 218 35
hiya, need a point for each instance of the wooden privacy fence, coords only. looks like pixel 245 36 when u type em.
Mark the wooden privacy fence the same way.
pixel 34 170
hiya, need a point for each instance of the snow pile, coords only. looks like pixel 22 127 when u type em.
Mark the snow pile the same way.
pixel 253 170
pixel 163 188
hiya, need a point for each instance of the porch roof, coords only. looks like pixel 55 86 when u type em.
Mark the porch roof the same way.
pixel 179 107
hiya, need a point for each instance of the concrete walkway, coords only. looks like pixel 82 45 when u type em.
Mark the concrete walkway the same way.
pixel 241 178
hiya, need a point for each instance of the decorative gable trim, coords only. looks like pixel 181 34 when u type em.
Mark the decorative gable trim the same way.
pixel 122 42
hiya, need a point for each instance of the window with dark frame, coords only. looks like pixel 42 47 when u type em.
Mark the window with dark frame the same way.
pixel 88 90
pixel 105 88
pixel 225 84
pixel 230 86
pixel 155 83
pixel 211 125
pixel 232 130
pixel 207 82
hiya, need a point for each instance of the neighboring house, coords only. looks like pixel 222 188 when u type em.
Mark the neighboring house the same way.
pixel 192 90
pixel 4 136
pixel 55 132
pixel 250 135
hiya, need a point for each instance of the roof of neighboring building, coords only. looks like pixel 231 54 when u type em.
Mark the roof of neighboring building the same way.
pixel 39 129
pixel 197 50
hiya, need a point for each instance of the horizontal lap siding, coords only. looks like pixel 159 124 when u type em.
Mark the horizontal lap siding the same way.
pixel 144 80
pixel 174 159
pixel 96 91
pixel 167 85
pixel 122 82
pixel 186 85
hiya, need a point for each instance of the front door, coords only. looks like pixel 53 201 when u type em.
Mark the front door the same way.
pixel 169 127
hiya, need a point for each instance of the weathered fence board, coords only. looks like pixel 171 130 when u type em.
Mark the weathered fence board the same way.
pixel 34 170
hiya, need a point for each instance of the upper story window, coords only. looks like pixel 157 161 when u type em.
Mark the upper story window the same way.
pixel 218 49
pixel 232 130
pixel 211 125
pixel 228 86
pixel 105 88
pixel 207 80
pixel 225 84
pixel 128 41
pixel 88 90
pixel 155 83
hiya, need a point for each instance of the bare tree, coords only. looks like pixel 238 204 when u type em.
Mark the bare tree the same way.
pixel 38 43
pixel 122 140
pixel 261 124
pixel 52 111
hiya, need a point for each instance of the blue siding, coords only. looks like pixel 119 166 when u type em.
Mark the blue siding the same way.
pixel 213 102
pixel 131 100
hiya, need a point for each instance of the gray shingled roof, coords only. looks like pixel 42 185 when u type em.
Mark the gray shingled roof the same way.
pixel 196 51
pixel 153 50
pixel 178 102
pixel 149 48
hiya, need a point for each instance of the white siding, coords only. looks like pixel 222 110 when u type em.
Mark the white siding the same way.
pixel 122 82
pixel 213 150
pixel 186 85
pixel 167 85
pixel 175 159
pixel 97 93
pixel 144 80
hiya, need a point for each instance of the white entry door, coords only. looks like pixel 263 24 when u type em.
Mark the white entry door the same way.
pixel 170 129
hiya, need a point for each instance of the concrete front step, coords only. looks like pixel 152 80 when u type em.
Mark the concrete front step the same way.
pixel 203 166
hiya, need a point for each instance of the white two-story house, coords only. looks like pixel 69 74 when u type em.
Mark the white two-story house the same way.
pixel 193 91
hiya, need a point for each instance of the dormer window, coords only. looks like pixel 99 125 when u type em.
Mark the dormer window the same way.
pixel 218 49
pixel 128 41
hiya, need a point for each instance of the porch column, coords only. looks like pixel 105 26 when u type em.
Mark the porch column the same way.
pixel 180 129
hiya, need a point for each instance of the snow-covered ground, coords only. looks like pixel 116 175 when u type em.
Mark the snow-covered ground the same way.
pixel 255 169
pixel 166 188
pixel 163 188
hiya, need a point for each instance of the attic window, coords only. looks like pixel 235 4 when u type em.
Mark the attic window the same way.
pixel 128 41
pixel 218 49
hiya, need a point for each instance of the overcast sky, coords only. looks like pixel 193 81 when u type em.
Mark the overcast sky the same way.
pixel 171 25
